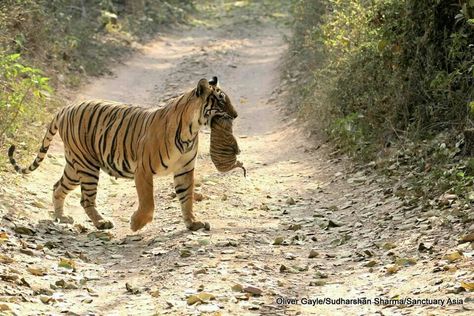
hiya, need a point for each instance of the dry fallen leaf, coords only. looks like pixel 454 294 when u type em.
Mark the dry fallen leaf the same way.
pixel 5 259
pixel 193 299
pixel 295 227
pixel 278 241
pixel 388 246
pixel 3 237
pixel 38 271
pixel 23 230
pixel 185 253
pixel 155 293
pixel 317 283
pixel 405 262
pixel 370 264
pixel 468 286
pixel 467 238
pixel 453 256
pixel 202 297
pixel 237 288
pixel 5 307
pixel 253 290
pixel 45 299
pixel 391 269
pixel 102 235
pixel 67 264
pixel 132 289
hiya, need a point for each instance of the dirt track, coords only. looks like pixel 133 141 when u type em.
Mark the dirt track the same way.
pixel 297 200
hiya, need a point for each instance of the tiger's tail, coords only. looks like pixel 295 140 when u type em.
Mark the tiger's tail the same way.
pixel 52 130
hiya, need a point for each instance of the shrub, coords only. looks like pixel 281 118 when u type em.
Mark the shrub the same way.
pixel 22 92
pixel 68 39
pixel 403 68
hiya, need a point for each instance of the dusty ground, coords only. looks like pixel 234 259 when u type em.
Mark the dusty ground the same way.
pixel 303 224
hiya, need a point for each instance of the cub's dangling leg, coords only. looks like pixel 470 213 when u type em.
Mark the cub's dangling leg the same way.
pixel 184 186
pixel 146 203
pixel 66 184
pixel 89 178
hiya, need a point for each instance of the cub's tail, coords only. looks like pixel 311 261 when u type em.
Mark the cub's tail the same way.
pixel 52 129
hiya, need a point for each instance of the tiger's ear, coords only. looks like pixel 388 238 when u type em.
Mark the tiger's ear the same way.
pixel 213 81
pixel 202 87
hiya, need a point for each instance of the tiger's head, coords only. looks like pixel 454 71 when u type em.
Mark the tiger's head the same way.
pixel 217 102
pixel 219 113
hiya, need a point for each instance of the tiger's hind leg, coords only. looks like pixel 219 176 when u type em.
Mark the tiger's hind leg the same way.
pixel 66 184
pixel 184 186
pixel 89 179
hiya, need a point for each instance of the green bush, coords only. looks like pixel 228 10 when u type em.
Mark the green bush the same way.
pixel 68 40
pixel 22 93
pixel 74 38
pixel 404 68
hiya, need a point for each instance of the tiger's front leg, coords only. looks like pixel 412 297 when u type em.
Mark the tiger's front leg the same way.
pixel 184 186
pixel 146 203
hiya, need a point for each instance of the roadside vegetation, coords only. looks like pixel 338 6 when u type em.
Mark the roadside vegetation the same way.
pixel 49 47
pixel 391 82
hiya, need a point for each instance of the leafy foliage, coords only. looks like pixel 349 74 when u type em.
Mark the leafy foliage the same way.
pixel 392 82
pixel 404 68
pixel 22 92
pixel 68 40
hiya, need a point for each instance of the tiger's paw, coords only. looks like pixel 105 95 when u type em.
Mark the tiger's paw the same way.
pixel 138 221
pixel 65 219
pixel 193 226
pixel 104 224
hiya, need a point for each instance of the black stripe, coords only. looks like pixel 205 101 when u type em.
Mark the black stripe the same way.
pixel 194 157
pixel 69 163
pixel 89 174
pixel 135 120
pixel 161 160
pixel 166 142
pixel 70 179
pixel 150 164
pixel 183 173
pixel 177 137
pixel 181 190
pixel 64 186
pixel 84 162
pixel 113 147
pixel 88 183
pixel 83 189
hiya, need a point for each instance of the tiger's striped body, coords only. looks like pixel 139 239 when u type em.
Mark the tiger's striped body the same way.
pixel 132 142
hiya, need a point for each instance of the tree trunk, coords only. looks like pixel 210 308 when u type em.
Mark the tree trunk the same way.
pixel 469 142
pixel 135 7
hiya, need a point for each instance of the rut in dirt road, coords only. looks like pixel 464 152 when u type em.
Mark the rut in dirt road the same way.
pixel 300 226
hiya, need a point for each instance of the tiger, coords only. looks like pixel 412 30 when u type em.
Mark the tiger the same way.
pixel 130 141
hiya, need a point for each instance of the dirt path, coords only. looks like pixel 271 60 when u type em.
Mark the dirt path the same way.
pixel 301 225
